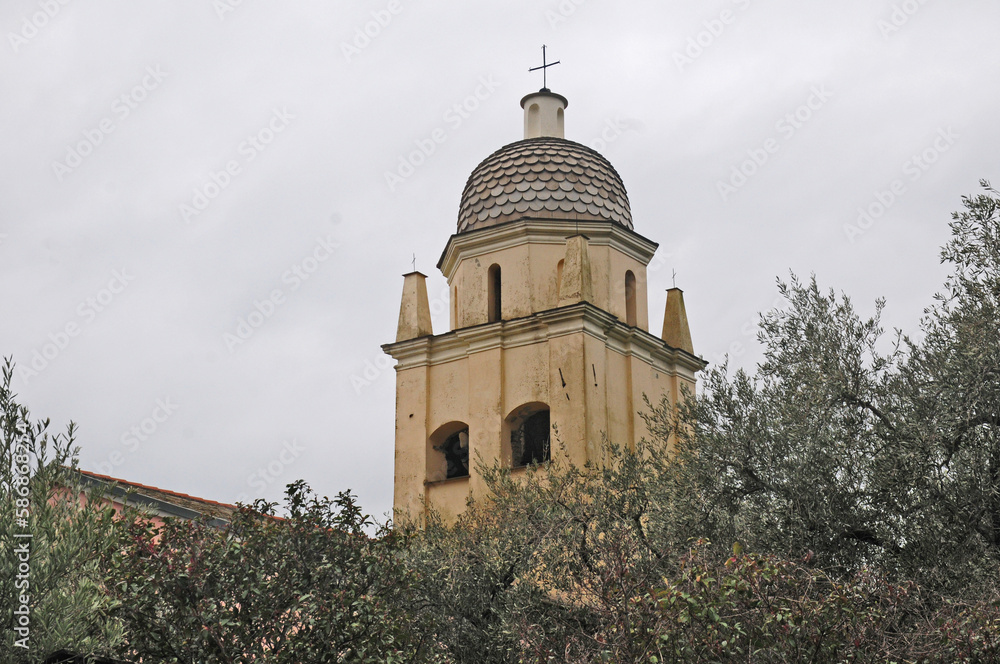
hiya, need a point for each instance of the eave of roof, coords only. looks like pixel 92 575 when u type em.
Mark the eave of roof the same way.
pixel 170 503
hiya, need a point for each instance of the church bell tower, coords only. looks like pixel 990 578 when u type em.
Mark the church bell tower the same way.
pixel 549 351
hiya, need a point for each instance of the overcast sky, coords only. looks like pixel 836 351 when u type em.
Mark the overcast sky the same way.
pixel 172 166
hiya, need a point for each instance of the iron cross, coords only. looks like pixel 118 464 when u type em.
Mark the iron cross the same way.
pixel 544 68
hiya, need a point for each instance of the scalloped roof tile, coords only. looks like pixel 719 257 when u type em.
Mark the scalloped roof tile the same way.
pixel 554 177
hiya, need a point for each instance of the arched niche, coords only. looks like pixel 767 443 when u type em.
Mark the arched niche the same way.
pixel 527 435
pixel 630 295
pixel 494 284
pixel 448 452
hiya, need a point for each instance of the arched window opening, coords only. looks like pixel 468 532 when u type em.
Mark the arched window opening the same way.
pixel 529 442
pixel 630 298
pixel 449 454
pixel 454 308
pixel 494 304
pixel 559 272
pixel 534 127
pixel 455 449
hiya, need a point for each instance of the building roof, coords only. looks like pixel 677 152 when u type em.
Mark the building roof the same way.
pixel 544 177
pixel 168 503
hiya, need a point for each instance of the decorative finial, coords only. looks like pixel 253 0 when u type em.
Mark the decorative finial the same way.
pixel 675 277
pixel 414 262
pixel 544 68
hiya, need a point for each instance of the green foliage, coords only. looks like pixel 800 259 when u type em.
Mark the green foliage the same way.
pixel 549 564
pixel 795 457
pixel 765 609
pixel 577 565
pixel 70 531
pixel 866 450
pixel 952 389
pixel 312 587
pixel 856 475
pixel 852 465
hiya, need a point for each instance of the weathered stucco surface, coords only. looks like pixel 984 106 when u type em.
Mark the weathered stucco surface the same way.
pixel 580 360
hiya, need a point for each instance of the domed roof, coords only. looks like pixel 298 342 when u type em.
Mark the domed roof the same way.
pixel 546 177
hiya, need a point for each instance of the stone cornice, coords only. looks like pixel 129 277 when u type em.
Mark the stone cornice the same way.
pixel 553 323
pixel 470 244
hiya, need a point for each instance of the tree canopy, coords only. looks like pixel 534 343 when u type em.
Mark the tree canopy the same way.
pixel 866 450
pixel 841 502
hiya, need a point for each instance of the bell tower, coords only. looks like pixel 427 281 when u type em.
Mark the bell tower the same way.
pixel 549 349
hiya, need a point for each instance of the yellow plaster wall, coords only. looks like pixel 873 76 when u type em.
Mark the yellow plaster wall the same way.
pixel 529 282
pixel 448 498
pixel 602 395
pixel 526 376
pixel 619 400
pixel 596 390
pixel 568 406
pixel 619 264
pixel 485 410
pixel 544 261
pixel 655 384
pixel 449 385
pixel 516 292
pixel 411 435
pixel 591 386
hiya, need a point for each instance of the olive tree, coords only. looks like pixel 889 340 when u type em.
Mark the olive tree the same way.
pixel 53 535
pixel 863 447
